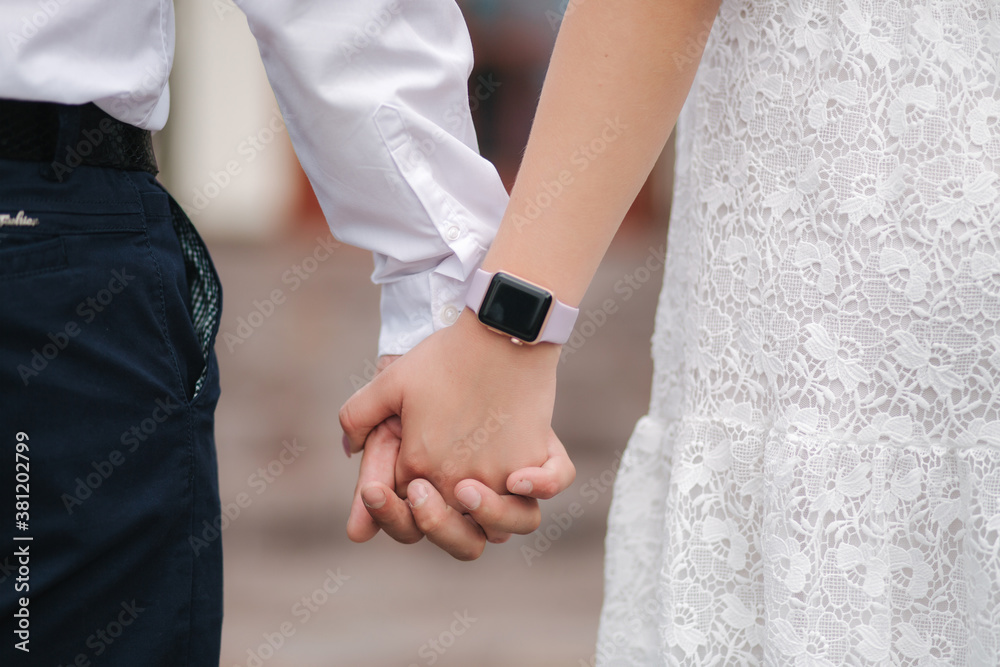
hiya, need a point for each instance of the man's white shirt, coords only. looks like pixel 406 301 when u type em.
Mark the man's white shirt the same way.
pixel 374 95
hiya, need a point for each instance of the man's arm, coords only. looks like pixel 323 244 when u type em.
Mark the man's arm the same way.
pixel 375 96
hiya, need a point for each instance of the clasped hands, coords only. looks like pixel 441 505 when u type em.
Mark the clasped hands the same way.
pixel 457 441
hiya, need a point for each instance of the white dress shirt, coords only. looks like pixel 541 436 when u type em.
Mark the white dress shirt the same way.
pixel 374 94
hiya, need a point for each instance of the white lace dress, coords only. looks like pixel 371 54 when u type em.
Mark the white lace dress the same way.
pixel 818 480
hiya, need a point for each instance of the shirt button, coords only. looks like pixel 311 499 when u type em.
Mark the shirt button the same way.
pixel 453 233
pixel 449 315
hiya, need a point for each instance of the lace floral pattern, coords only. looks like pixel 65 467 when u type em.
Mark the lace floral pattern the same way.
pixel 818 480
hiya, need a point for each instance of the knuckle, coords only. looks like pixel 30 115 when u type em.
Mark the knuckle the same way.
pixel 410 538
pixel 346 416
pixel 448 468
pixel 379 431
pixel 401 486
pixel 407 469
pixel 534 519
pixel 470 552
pixel 429 522
pixel 530 522
pixel 570 474
pixel 441 479
pixel 487 514
pixel 546 489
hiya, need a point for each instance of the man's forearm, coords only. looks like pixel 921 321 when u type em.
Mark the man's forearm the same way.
pixel 375 96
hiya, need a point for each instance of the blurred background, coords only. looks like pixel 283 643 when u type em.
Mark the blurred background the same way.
pixel 298 592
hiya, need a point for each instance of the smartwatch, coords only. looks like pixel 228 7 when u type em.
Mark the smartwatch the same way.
pixel 520 309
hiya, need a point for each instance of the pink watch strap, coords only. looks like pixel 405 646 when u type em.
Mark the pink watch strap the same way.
pixel 557 329
pixel 477 289
pixel 560 325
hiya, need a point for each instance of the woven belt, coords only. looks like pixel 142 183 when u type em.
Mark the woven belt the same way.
pixel 66 136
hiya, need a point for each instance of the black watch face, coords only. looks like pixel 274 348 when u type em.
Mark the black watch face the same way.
pixel 515 307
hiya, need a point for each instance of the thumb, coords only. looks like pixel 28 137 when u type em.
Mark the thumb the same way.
pixel 548 480
pixel 370 406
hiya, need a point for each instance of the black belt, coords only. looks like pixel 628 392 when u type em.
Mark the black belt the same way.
pixel 66 136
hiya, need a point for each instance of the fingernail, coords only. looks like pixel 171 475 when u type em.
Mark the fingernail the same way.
pixel 373 498
pixel 469 497
pixel 522 488
pixel 347 446
pixel 417 495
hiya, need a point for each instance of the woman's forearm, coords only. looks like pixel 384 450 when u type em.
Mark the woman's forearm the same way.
pixel 619 75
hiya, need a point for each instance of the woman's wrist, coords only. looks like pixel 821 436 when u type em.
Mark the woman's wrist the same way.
pixel 499 347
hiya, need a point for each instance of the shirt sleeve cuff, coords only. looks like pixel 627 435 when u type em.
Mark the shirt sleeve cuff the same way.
pixel 415 307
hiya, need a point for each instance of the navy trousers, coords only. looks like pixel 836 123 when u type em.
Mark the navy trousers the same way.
pixel 109 307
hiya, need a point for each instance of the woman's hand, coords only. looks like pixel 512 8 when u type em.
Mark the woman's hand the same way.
pixel 472 405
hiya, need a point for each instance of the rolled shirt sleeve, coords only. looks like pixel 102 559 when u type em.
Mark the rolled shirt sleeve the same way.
pixel 374 93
